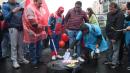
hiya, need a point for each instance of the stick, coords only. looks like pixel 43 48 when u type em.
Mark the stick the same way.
pixel 54 46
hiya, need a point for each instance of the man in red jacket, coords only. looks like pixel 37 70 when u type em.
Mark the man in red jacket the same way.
pixel 55 30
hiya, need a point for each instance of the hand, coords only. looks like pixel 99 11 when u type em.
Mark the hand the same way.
pixel 124 30
pixel 32 33
pixel 113 41
pixel 15 10
pixel 97 46
pixel 128 28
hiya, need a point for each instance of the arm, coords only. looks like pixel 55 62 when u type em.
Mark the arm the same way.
pixel 50 24
pixel 99 39
pixel 85 18
pixel 31 18
pixel 119 23
pixel 7 13
pixel 67 18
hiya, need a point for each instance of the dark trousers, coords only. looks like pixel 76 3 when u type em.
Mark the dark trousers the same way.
pixel 122 47
pixel 128 54
pixel 1 35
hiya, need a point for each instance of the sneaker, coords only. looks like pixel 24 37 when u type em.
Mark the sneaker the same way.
pixel 128 68
pixel 16 65
pixel 25 61
pixel 58 56
pixel 35 66
pixel 114 66
pixel 74 55
pixel 107 63
pixel 80 59
pixel 53 58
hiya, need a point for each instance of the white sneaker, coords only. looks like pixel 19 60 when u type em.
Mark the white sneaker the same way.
pixel 16 65
pixel 53 58
pixel 74 55
pixel 80 59
pixel 58 56
pixel 25 61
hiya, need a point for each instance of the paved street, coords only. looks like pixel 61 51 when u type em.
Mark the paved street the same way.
pixel 6 67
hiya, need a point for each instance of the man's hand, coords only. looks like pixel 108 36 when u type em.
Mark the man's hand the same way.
pixel 113 41
pixel 32 33
pixel 128 28
pixel 17 9
pixel 97 46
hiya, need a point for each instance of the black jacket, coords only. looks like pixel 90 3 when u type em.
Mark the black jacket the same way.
pixel 116 21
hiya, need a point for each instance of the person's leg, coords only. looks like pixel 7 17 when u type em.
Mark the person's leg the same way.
pixel 20 48
pixel 71 36
pixel 78 47
pixel 52 44
pixel 5 45
pixel 109 53
pixel 1 35
pixel 39 47
pixel 32 48
pixel 115 57
pixel 13 32
pixel 128 68
pixel 121 50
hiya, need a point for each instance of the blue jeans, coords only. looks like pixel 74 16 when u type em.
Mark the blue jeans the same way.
pixel 113 52
pixel 128 46
pixel 35 51
pixel 72 36
pixel 5 45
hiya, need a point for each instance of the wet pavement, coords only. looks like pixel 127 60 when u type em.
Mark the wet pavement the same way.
pixel 6 67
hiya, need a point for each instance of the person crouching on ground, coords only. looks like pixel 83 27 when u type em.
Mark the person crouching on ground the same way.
pixel 92 39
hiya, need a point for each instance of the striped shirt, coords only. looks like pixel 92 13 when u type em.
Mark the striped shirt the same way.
pixel 73 20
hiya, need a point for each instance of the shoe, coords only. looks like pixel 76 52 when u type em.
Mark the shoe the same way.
pixel 74 55
pixel 53 58
pixel 114 66
pixel 16 65
pixel 35 66
pixel 80 59
pixel 107 63
pixel 24 61
pixel 128 68
pixel 58 56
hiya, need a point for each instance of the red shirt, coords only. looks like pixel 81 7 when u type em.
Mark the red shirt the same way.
pixel 73 20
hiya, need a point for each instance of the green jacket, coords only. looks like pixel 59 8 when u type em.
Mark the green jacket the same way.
pixel 93 20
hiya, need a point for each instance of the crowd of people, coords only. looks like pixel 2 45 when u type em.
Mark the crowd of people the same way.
pixel 22 28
